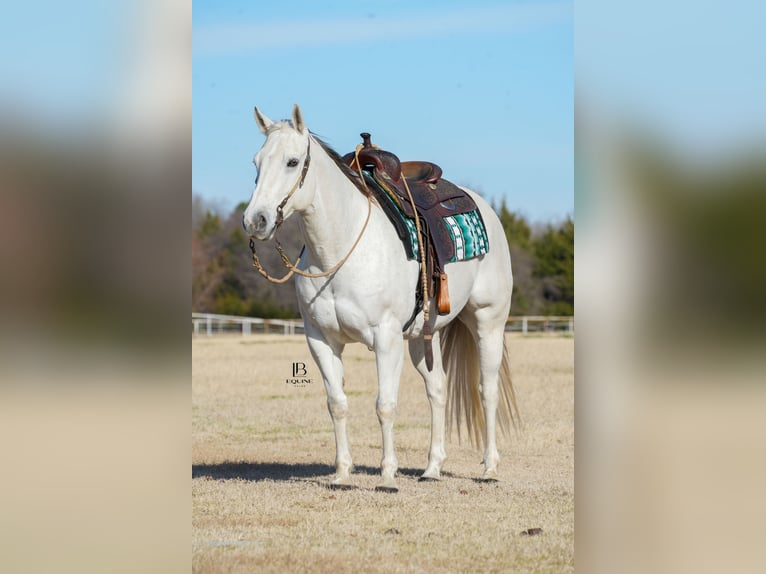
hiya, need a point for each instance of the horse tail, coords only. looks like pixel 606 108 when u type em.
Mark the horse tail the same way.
pixel 460 357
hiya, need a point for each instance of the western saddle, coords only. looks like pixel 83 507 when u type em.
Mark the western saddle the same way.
pixel 434 199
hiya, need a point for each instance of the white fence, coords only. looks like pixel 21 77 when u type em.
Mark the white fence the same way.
pixel 210 324
pixel 539 324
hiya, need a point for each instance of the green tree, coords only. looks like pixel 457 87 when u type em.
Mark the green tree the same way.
pixel 224 281
pixel 554 268
pixel 210 225
pixel 516 227
pixel 518 234
pixel 223 278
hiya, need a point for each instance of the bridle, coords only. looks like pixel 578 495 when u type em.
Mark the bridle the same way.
pixel 298 184
pixel 427 330
pixel 280 219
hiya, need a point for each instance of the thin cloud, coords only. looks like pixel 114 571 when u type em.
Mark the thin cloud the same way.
pixel 239 38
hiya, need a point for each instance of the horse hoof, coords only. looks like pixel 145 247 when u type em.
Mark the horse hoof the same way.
pixel 387 484
pixel 489 476
pixel 341 483
pixel 428 479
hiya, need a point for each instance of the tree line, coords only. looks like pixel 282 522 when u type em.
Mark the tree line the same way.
pixel 225 281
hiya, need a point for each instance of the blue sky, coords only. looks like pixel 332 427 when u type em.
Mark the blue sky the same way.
pixel 690 72
pixel 483 89
pixel 52 74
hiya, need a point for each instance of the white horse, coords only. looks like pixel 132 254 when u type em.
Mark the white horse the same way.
pixel 372 295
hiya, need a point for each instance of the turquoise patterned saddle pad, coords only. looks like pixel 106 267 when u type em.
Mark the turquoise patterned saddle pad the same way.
pixel 467 230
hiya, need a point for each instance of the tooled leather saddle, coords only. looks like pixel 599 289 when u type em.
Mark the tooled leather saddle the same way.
pixel 434 198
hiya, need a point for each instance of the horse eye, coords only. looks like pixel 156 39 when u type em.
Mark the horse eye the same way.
pixel 292 163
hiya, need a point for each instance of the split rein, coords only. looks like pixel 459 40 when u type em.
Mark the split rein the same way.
pixel 292 267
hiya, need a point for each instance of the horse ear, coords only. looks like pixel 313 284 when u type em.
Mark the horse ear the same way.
pixel 263 122
pixel 298 123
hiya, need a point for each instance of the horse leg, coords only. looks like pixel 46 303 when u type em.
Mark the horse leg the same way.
pixel 435 389
pixel 489 333
pixel 389 353
pixel 328 357
pixel 490 357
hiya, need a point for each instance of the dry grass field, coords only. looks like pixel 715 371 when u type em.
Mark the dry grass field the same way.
pixel 263 452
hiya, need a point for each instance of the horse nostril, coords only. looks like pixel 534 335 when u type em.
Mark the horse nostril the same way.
pixel 260 223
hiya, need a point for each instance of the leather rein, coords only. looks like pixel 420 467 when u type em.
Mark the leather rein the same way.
pixel 292 267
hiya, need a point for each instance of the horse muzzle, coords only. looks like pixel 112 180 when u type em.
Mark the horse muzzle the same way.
pixel 260 226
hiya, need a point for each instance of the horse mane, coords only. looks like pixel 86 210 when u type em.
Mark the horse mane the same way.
pixel 352 175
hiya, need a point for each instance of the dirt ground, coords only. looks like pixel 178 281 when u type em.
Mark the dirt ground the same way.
pixel 263 452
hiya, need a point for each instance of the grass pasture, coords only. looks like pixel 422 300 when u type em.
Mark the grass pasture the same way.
pixel 263 452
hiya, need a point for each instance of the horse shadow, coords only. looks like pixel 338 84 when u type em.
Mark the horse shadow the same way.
pixel 280 471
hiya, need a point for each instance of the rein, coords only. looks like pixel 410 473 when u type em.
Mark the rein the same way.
pixel 427 334
pixel 292 267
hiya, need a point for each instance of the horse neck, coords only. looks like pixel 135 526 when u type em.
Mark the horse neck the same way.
pixel 331 223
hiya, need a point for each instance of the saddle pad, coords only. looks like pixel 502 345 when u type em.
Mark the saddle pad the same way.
pixel 467 230
pixel 468 234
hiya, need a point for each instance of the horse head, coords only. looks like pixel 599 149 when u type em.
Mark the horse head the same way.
pixel 282 164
